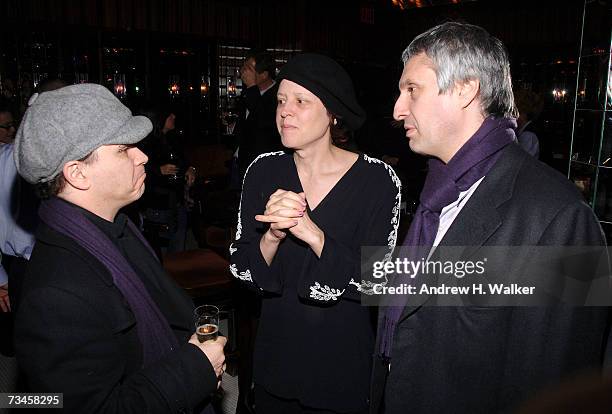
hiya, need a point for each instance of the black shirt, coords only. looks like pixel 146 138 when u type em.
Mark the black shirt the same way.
pixel 315 340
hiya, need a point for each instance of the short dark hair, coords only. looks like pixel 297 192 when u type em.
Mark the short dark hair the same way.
pixel 340 134
pixel 263 62
pixel 54 186
pixel 50 188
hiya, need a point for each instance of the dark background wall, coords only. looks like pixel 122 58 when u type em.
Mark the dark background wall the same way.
pixel 367 36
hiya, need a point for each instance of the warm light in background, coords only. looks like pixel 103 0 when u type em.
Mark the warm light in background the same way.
pixel 231 88
pixel 119 86
pixel 173 85
pixel 559 94
pixel 410 4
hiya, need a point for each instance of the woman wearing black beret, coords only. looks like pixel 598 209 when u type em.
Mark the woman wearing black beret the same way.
pixel 304 216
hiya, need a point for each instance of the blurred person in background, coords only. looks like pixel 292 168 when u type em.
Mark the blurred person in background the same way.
pixel 165 204
pixel 529 105
pixel 257 130
pixel 16 236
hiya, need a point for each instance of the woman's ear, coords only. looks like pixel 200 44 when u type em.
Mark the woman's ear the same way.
pixel 75 175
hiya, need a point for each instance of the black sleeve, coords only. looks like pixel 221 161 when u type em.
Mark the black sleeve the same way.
pixel 63 345
pixel 337 273
pixel 574 225
pixel 252 98
pixel 262 115
pixel 577 225
pixel 246 261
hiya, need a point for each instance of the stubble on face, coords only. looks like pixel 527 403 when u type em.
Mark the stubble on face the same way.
pixel 428 116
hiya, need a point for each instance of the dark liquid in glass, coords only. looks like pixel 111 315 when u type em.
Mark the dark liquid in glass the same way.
pixel 207 332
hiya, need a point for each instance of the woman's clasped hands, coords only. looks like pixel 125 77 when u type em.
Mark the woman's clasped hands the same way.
pixel 286 212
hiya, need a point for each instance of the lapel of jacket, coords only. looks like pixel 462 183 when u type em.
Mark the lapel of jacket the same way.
pixel 479 218
pixel 182 307
pixel 122 318
pixel 47 235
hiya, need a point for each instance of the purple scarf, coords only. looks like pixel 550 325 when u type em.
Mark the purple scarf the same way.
pixel 443 184
pixel 153 329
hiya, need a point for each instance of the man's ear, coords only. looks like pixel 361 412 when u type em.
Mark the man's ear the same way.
pixel 75 175
pixel 467 92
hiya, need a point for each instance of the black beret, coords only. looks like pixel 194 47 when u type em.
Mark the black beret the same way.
pixel 325 78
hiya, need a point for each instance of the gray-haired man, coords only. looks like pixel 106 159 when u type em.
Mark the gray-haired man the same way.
pixel 99 320
pixel 457 107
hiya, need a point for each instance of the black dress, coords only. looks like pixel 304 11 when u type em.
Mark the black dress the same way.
pixel 315 339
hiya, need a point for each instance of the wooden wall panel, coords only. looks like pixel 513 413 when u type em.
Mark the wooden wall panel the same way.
pixel 306 24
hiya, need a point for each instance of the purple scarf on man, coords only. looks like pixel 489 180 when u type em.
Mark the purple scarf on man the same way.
pixel 153 329
pixel 443 184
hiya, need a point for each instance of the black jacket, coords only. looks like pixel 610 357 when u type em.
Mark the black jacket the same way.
pixel 76 334
pixel 258 132
pixel 487 360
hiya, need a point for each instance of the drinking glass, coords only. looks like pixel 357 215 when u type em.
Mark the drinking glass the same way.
pixel 206 319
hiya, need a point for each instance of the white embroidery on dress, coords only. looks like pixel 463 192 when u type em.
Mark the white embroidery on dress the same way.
pixel 325 293
pixel 246 275
pixel 239 225
pixel 367 287
pixel 357 285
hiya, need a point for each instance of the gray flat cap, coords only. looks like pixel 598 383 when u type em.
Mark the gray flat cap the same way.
pixel 67 124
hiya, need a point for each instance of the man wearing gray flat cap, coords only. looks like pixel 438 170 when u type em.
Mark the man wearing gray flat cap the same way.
pixel 98 319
